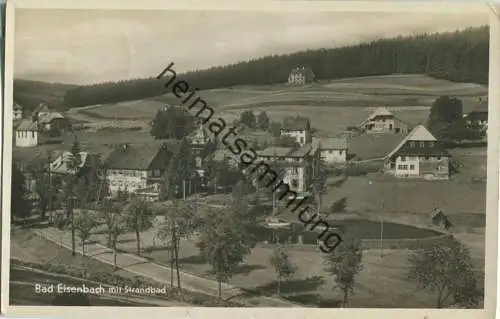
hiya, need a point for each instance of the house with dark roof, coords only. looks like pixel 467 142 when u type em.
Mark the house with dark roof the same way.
pixel 61 165
pixel 130 167
pixel 419 155
pixel 300 164
pixel 297 127
pixel 383 121
pixel 479 115
pixel 27 134
pixel 332 149
pixel 17 111
pixel 300 76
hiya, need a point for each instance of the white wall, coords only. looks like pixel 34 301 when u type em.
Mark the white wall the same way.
pixel 132 180
pixel 334 156
pixel 407 166
pixel 26 138
pixel 301 137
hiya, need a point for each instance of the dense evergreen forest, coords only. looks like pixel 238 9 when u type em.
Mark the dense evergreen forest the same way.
pixel 461 56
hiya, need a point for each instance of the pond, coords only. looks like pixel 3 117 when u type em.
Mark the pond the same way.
pixel 359 228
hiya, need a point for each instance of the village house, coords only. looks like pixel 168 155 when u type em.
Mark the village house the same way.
pixel 333 150
pixel 419 155
pixel 199 140
pixel 383 121
pixel 131 167
pixel 479 116
pixel 47 119
pixel 61 165
pixel 299 128
pixel 300 76
pixel 17 112
pixel 27 134
pixel 300 165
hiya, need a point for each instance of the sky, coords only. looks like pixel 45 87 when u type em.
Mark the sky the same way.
pixel 90 46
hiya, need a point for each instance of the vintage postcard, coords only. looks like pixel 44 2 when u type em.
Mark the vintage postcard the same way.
pixel 307 159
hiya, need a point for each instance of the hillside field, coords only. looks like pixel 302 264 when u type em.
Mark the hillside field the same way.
pixel 331 105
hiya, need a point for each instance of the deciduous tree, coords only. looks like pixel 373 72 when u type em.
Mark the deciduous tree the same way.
pixel 224 242
pixel 139 219
pixel 85 221
pixel 447 270
pixel 282 265
pixel 344 263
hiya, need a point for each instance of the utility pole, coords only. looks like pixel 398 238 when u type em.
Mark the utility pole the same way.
pixel 72 214
pixel 50 188
pixel 382 231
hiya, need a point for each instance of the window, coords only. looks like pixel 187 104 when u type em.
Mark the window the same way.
pixel 422 144
pixel 412 167
pixel 412 144
pixel 301 140
pixel 431 144
pixel 294 170
pixel 439 158
pixel 403 159
pixel 427 158
pixel 295 183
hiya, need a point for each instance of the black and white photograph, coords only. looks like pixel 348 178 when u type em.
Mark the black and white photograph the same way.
pixel 250 156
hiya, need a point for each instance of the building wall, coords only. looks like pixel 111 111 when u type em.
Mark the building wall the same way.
pixel 18 114
pixel 296 79
pixel 422 167
pixel 129 180
pixel 385 126
pixel 334 156
pixel 26 138
pixel 297 178
pixel 302 137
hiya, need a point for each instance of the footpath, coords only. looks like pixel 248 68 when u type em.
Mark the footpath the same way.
pixel 140 266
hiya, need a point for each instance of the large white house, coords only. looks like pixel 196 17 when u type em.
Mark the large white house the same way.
pixel 383 121
pixel 298 128
pixel 419 155
pixel 131 167
pixel 300 76
pixel 333 150
pixel 27 134
pixel 300 165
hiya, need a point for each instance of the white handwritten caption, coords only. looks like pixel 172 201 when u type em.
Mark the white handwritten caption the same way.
pixel 96 290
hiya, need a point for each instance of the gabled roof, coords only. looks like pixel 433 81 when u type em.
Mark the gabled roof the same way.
pixel 295 123
pixel 381 111
pixel 482 107
pixel 42 108
pixel 27 125
pixel 61 163
pixel 305 71
pixel 419 133
pixel 133 156
pixel 47 118
pixel 333 143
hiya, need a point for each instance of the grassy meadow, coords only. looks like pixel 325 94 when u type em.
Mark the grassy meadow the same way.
pixel 331 105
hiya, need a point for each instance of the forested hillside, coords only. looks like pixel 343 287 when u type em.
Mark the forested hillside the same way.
pixel 461 56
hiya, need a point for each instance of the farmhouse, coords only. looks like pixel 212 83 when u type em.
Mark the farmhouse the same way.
pixel 298 128
pixel 419 155
pixel 332 149
pixel 27 134
pixel 383 121
pixel 47 119
pixel 479 116
pixel 132 167
pixel 300 76
pixel 17 112
pixel 300 165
